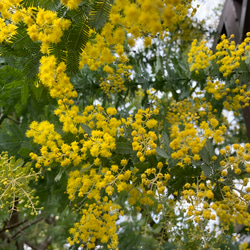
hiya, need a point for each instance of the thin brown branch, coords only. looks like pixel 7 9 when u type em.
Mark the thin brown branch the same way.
pixel 4 236
pixel 13 225
pixel 26 226
pixel 46 242
pixel 42 246
pixel 30 245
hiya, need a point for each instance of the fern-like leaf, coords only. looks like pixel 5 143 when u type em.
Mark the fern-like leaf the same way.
pixel 8 71
pixel 46 4
pixel 31 66
pixel 29 3
pixel 78 36
pixel 20 38
pixel 59 51
pixel 100 14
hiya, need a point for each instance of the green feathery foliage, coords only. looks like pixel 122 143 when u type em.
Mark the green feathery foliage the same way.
pixel 100 14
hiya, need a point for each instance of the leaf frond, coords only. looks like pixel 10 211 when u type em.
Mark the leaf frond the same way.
pixel 46 4
pixel 78 36
pixel 100 14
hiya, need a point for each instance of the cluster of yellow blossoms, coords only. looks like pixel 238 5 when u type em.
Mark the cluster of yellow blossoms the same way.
pixel 227 54
pixel 98 173
pixel 53 76
pixel 42 25
pixel 98 222
pixel 199 56
pixel 71 4
pixel 188 135
pixel 45 26
pixel 9 10
pixel 229 57
pixel 157 182
pixel 106 50
pixel 238 162
pixel 235 96
pixel 233 203
pixel 143 140
pixel 114 81
pixel 100 142
pixel 139 19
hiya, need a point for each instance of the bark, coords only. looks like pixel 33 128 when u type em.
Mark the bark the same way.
pixel 246 112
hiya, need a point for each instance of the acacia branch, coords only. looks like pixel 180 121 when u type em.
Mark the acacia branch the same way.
pixel 42 246
pixel 46 242
pixel 4 236
pixel 13 225
pixel 30 245
pixel 26 226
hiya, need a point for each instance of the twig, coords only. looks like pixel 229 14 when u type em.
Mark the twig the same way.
pixel 30 245
pixel 26 226
pixel 13 225
pixel 46 242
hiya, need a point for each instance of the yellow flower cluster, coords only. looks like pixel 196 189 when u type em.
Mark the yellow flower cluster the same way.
pixel 157 183
pixel 186 31
pixel 240 98
pixel 14 180
pixel 143 133
pixel 234 98
pixel 105 127
pixel 69 116
pixel 46 27
pixel 148 16
pixel 210 131
pixel 98 223
pixel 101 51
pixel 227 55
pixel 216 88
pixel 199 56
pixel 11 14
pixel 115 81
pixel 97 51
pixel 100 142
pixel 197 194
pixel 188 135
pixel 71 4
pixel 186 111
pixel 44 134
pixel 52 76
pixel 98 219
pixel 89 182
pixel 6 30
pixel 232 208
pixel 42 25
pixel 184 141
pixel 242 156
pixel 139 19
